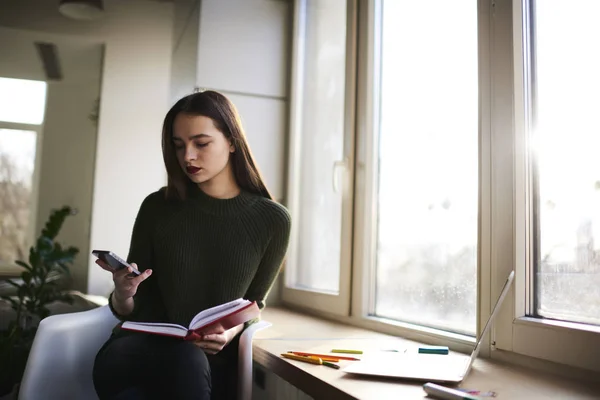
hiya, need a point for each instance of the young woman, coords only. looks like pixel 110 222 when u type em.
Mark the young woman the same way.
pixel 214 234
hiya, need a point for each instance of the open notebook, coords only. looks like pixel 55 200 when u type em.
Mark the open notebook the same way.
pixel 225 316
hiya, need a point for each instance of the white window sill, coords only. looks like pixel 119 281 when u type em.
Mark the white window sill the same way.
pixel 292 330
pixel 558 325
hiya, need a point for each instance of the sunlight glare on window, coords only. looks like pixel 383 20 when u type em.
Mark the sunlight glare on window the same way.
pixel 22 101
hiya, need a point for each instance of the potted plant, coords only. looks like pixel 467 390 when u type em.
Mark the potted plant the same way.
pixel 38 286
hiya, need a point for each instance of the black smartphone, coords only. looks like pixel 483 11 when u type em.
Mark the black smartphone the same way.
pixel 113 260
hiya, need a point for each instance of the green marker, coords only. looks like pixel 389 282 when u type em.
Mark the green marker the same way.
pixel 347 351
pixel 331 365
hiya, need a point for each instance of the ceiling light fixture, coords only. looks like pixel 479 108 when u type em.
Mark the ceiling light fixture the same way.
pixel 81 9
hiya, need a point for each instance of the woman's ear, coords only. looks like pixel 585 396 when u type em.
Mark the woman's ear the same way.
pixel 231 147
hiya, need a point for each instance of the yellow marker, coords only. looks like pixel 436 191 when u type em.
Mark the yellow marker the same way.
pixel 347 351
pixel 323 357
pixel 310 360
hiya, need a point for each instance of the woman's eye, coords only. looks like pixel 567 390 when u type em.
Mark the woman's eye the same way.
pixel 202 144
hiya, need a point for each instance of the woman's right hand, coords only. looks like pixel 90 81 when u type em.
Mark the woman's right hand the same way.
pixel 126 283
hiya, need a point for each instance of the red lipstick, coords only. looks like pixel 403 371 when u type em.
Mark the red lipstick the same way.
pixel 192 170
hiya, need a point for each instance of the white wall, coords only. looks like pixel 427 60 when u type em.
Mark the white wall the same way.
pixel 68 147
pixel 242 49
pixel 186 26
pixel 134 99
pixel 67 166
pixel 135 93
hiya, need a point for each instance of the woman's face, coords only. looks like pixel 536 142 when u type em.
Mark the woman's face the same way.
pixel 202 150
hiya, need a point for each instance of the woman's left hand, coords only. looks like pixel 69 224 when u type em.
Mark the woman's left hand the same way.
pixel 215 341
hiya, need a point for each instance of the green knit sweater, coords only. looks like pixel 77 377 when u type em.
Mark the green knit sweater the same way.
pixel 204 252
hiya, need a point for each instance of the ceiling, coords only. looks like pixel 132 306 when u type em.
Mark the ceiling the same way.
pixel 21 58
pixel 24 22
pixel 44 14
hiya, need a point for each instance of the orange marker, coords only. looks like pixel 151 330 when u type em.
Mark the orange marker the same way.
pixel 330 356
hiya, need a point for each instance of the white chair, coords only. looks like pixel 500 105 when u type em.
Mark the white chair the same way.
pixel 62 356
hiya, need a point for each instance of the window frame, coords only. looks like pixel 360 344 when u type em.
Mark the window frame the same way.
pixel 331 304
pixel 366 182
pixel 573 344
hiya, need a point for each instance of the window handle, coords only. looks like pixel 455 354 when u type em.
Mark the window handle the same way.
pixel 337 165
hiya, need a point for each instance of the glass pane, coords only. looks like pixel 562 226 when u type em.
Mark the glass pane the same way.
pixel 322 140
pixel 22 101
pixel 567 140
pixel 17 160
pixel 428 165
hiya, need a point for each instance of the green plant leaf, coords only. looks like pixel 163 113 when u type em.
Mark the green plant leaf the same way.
pixel 26 276
pixel 24 265
pixel 34 258
pixel 55 222
pixel 23 291
pixel 44 245
pixel 48 262
pixel 72 251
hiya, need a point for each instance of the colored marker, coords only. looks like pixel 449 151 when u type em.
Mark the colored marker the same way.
pixel 347 351
pixel 444 393
pixel 434 349
pixel 323 357
pixel 331 365
pixel 309 360
pixel 329 357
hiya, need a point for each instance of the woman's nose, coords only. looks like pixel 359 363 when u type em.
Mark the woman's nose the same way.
pixel 190 154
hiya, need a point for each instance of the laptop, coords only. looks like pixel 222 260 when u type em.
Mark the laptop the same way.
pixel 427 367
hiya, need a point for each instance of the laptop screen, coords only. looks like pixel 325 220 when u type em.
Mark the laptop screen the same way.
pixel 490 320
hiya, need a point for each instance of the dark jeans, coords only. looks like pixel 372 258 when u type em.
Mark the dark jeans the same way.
pixel 143 366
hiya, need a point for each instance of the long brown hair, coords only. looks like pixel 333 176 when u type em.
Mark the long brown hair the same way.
pixel 226 118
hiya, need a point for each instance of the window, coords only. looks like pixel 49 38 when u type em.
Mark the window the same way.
pixel 555 312
pixel 427 198
pixel 22 106
pixel 17 161
pixel 320 193
pixel 566 169
pixel 22 101
pixel 471 154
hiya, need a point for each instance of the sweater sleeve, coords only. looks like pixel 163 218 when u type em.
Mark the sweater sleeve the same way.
pixel 147 301
pixel 272 259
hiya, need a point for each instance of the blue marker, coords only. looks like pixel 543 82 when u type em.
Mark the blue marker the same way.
pixel 433 349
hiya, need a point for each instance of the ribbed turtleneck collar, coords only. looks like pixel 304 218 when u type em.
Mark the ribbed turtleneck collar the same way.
pixel 218 206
